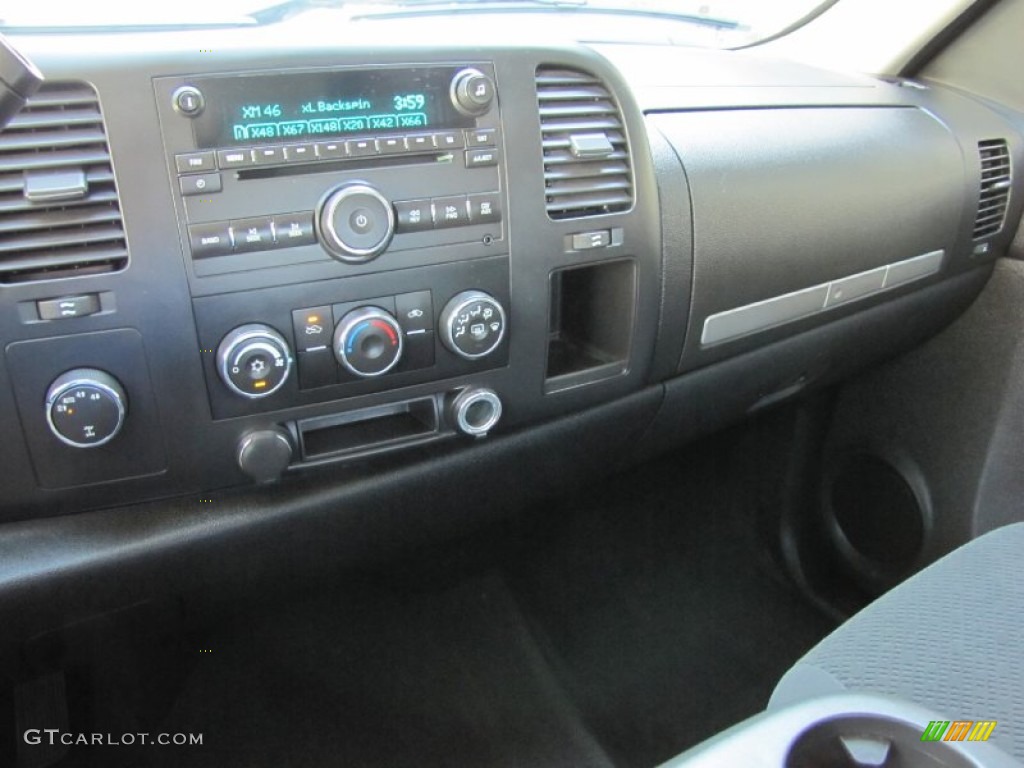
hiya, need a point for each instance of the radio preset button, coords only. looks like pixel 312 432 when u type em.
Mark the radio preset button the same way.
pixel 294 229
pixel 450 211
pixel 252 234
pixel 213 239
pixel 235 158
pixel 449 140
pixel 413 216
pixel 420 143
pixel 300 153
pixel 391 145
pixel 200 184
pixel 484 137
pixel 268 155
pixel 195 162
pixel 329 150
pixel 361 147
pixel 481 158
pixel 484 208
pixel 313 326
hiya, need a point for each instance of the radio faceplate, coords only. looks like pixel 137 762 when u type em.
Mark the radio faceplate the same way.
pixel 259 161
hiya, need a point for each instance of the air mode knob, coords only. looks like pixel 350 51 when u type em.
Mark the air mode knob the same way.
pixel 356 223
pixel 472 92
pixel 254 360
pixel 368 341
pixel 472 324
pixel 85 408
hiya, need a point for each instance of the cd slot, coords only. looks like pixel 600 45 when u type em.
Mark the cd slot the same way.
pixel 356 163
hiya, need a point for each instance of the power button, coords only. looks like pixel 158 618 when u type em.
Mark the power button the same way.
pixel 188 101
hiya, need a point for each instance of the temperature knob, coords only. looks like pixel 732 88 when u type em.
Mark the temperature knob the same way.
pixel 368 341
pixel 254 360
pixel 472 92
pixel 85 408
pixel 472 324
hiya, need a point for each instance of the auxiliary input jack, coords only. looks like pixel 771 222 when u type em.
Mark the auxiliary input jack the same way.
pixel 475 410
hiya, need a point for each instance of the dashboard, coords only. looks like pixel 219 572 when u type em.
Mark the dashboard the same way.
pixel 227 260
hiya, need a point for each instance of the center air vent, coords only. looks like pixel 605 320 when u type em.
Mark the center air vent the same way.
pixel 59 211
pixel 586 157
pixel 995 188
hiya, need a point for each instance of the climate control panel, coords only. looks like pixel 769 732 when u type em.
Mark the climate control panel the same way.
pixel 271 349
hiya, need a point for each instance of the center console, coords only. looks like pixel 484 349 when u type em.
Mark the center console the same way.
pixel 389 179
pixel 343 258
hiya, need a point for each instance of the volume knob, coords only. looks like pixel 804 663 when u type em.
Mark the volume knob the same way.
pixel 356 223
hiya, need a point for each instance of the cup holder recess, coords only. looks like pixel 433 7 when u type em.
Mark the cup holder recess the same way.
pixel 847 731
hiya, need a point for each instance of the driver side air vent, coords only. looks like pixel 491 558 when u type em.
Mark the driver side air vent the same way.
pixel 59 210
pixel 586 157
pixel 995 188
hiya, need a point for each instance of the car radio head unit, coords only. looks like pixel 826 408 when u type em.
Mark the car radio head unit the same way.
pixel 278 170
pixel 308 106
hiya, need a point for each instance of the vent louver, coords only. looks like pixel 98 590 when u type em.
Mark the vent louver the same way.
pixel 59 210
pixel 586 156
pixel 995 188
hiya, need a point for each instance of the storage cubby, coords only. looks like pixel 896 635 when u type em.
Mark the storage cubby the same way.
pixel 591 323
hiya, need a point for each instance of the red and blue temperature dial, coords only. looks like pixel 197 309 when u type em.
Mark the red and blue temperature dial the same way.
pixel 368 342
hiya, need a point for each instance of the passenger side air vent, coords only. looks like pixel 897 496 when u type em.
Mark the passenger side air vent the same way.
pixel 59 210
pixel 995 188
pixel 586 156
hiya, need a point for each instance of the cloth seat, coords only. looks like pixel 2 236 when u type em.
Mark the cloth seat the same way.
pixel 950 638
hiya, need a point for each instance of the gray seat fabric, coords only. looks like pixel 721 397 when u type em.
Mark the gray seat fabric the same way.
pixel 950 638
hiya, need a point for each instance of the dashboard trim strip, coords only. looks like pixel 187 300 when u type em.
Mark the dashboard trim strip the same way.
pixel 779 310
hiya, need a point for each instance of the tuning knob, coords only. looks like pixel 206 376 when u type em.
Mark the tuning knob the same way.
pixel 254 360
pixel 85 408
pixel 356 223
pixel 368 342
pixel 472 324
pixel 472 92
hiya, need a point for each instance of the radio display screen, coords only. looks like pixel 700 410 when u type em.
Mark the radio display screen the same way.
pixel 329 104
